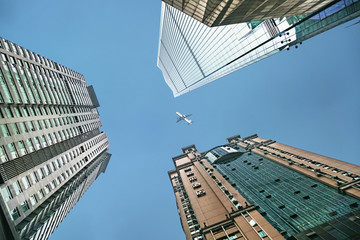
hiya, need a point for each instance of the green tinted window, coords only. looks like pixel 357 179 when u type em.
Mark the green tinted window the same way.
pixel 4 130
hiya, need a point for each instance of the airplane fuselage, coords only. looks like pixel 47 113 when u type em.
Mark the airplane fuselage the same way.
pixel 183 117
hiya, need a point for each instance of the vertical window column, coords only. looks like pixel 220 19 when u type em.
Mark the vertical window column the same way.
pixel 10 81
pixel 4 90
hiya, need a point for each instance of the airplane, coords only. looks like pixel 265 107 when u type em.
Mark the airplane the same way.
pixel 184 117
pixel 353 24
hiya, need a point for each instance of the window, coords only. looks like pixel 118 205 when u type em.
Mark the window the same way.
pixel 43 140
pixel 3 56
pixel 63 177
pixel 52 166
pixel 24 206
pixel 23 150
pixel 33 200
pixel 70 132
pixel 4 130
pixel 12 149
pixel 47 170
pixel 49 139
pixel 33 177
pixel 67 158
pixel 52 184
pixel 40 194
pixel 8 112
pixel 47 189
pixel 37 110
pixel 57 180
pixel 43 124
pixel 17 112
pixel 37 125
pixel 3 155
pixel 252 222
pixel 15 214
pixel 44 110
pixel 53 122
pixel 200 193
pixel 26 182
pixel 30 126
pixel 32 111
pixel 65 133
pixel 23 127
pixel 5 87
pixel 30 145
pixel 262 233
pixel 54 137
pixel 231 237
pixel 6 194
pixel 25 111
pixel 40 173
pixel 48 123
pixel 58 164
pixel 17 188
pixel 37 142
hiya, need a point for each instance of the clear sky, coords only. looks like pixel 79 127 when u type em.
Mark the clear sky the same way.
pixel 306 97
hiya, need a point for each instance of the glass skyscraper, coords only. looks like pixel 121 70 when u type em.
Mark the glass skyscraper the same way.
pixel 254 188
pixel 222 12
pixel 191 54
pixel 51 147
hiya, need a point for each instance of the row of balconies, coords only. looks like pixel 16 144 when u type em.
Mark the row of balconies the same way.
pixel 221 186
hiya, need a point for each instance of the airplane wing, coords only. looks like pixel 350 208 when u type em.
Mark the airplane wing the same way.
pixel 178 120
pixel 188 121
pixel 188 115
pixel 353 24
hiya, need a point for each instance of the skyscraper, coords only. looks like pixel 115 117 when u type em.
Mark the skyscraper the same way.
pixel 192 54
pixel 51 148
pixel 253 188
pixel 223 12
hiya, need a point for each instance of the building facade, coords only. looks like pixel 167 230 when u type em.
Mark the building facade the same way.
pixel 223 12
pixel 51 148
pixel 254 188
pixel 191 54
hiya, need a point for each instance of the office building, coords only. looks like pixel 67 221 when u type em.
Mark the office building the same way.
pixel 51 148
pixel 254 188
pixel 222 12
pixel 191 54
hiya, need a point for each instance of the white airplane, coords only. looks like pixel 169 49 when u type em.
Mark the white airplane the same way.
pixel 183 117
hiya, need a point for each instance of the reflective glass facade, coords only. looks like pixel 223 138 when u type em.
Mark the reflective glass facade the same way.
pixel 289 200
pixel 220 12
pixel 192 54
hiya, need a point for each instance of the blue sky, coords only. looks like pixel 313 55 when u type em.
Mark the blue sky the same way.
pixel 306 97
